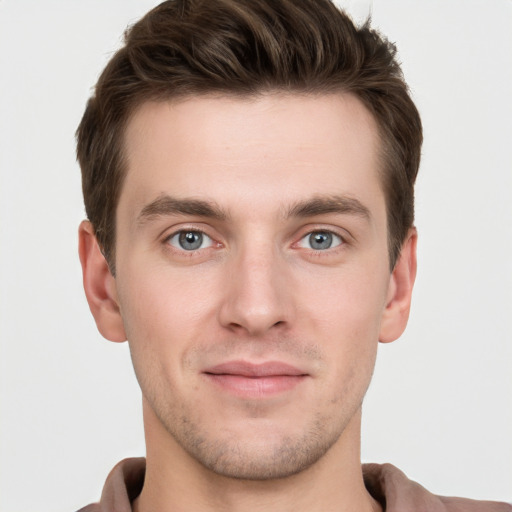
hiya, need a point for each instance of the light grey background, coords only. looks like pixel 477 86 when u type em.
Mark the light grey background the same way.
pixel 440 403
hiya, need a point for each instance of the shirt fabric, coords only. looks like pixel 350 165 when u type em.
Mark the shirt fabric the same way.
pixel 386 483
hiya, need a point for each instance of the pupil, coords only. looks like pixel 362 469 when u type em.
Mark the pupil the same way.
pixel 321 240
pixel 191 240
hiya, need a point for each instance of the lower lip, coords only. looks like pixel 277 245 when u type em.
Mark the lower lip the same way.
pixel 256 387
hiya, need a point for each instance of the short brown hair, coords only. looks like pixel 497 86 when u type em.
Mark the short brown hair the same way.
pixel 246 47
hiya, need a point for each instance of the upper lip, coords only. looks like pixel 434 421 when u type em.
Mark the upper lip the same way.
pixel 247 369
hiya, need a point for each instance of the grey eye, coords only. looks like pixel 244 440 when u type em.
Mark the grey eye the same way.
pixel 190 240
pixel 320 240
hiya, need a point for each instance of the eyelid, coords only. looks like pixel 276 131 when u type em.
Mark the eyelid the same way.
pixel 310 228
pixel 205 239
pixel 184 228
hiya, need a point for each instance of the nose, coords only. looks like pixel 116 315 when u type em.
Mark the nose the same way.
pixel 257 293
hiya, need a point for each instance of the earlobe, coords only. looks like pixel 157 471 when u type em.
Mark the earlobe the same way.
pixel 396 313
pixel 99 285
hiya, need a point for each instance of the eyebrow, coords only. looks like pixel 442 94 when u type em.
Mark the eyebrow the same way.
pixel 167 205
pixel 321 205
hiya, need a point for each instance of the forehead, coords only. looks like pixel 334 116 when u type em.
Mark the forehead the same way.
pixel 275 146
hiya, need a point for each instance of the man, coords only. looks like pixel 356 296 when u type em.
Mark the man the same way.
pixel 248 171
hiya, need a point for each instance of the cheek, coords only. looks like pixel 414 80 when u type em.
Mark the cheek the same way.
pixel 160 321
pixel 348 305
pixel 165 312
pixel 161 300
pixel 347 321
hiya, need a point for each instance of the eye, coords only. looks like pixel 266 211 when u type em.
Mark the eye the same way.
pixel 189 240
pixel 320 240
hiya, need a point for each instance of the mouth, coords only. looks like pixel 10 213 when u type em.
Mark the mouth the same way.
pixel 248 380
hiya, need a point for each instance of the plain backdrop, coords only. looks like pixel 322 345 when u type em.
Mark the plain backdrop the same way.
pixel 439 406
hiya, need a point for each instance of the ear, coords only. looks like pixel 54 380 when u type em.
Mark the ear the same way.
pixel 401 282
pixel 99 285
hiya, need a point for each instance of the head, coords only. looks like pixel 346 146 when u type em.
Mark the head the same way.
pixel 244 48
pixel 248 171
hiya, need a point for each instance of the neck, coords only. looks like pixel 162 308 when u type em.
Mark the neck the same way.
pixel 177 482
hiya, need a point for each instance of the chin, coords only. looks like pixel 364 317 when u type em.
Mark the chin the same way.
pixel 263 455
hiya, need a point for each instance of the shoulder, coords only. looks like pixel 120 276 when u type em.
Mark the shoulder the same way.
pixel 391 487
pixel 93 507
pixel 122 486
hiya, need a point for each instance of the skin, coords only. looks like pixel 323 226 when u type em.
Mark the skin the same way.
pixel 260 178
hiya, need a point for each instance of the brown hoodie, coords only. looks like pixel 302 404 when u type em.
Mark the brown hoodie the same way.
pixel 387 484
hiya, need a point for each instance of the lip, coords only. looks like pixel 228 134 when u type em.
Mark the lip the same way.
pixel 247 369
pixel 249 380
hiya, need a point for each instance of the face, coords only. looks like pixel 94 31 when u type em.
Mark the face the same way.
pixel 252 278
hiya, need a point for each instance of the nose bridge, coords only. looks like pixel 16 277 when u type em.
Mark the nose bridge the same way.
pixel 256 296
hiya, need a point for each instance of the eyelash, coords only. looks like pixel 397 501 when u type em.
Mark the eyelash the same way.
pixel 316 252
pixel 167 240
pixel 332 234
